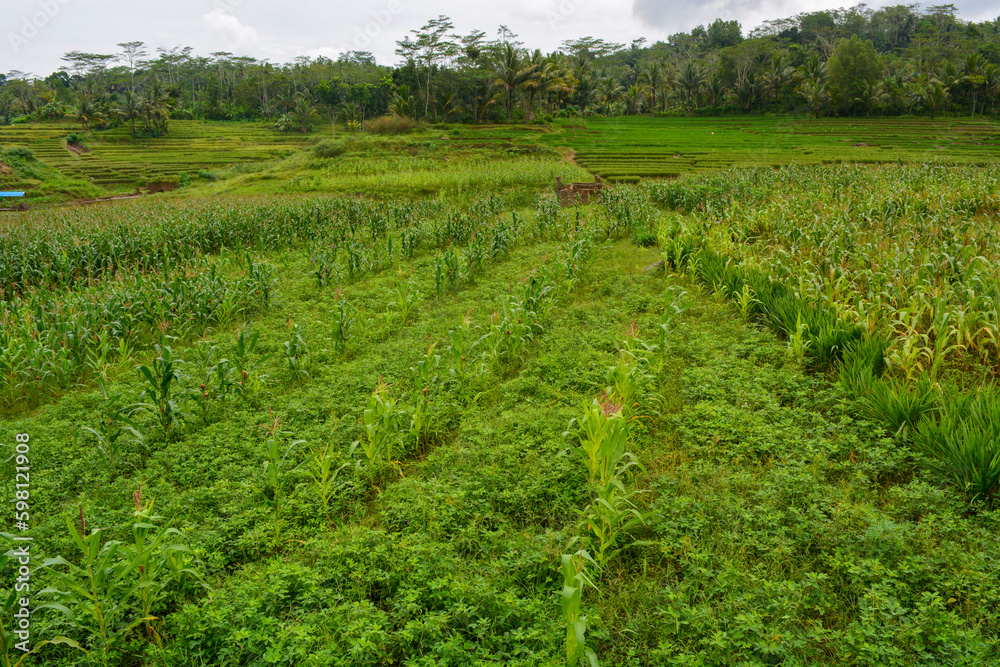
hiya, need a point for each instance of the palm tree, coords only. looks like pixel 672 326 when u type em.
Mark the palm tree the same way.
pixel 652 74
pixel 716 91
pixel 609 91
pixel 872 93
pixel 155 105
pixel 813 69
pixel 85 109
pixel 816 94
pixel 991 85
pixel 776 75
pixel 403 103
pixel 936 95
pixel 633 98
pixel 129 108
pixel 303 112
pixel 691 81
pixel 511 73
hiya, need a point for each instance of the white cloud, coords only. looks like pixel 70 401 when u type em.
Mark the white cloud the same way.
pixel 226 25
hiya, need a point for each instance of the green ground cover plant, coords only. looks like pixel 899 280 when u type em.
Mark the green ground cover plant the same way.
pixel 734 503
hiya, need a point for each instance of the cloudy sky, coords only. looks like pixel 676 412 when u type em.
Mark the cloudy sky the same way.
pixel 35 33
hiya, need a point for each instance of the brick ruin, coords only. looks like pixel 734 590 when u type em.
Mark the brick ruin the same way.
pixel 577 193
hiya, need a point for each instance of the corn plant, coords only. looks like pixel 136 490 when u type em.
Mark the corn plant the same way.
pixel 326 269
pixel 158 557
pixel 676 302
pixel 575 580
pixel 342 325
pixel 160 390
pixel 425 380
pixel 745 301
pixel 246 370
pixel 324 471
pixel 277 472
pixel 115 426
pixel 96 597
pixel 382 432
pixel 547 212
pixel 602 440
pixel 629 380
pixel 297 354
pixel 12 655
pixel 609 519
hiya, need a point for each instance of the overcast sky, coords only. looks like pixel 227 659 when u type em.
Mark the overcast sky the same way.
pixel 34 34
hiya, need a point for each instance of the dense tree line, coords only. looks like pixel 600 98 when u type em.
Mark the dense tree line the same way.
pixel 856 61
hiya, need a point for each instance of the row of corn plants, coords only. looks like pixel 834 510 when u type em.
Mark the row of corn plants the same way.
pixel 601 439
pixel 59 249
pixel 392 428
pixel 904 346
pixel 49 342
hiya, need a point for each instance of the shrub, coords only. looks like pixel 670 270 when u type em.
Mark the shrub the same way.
pixel 329 148
pixel 392 125
pixel 20 152
pixel 207 175
pixel 72 138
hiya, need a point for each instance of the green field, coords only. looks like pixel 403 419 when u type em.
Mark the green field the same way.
pixel 628 148
pixel 359 415
pixel 250 158
pixel 114 162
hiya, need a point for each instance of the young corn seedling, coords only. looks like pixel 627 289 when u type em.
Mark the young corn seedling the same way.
pixel 115 426
pixel 381 436
pixel 247 376
pixel 575 579
pixel 457 350
pixel 405 299
pixel 159 391
pixel 297 354
pixel 323 470
pixel 425 379
pixel 745 301
pixel 342 326
pixel 323 259
pixel 277 472
pixel 629 379
pixel 440 281
pixel 216 383
pixel 798 340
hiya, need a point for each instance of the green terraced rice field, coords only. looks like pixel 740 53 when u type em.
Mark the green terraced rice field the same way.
pixel 115 163
pixel 627 148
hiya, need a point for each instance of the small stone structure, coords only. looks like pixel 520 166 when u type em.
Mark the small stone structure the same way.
pixel 577 193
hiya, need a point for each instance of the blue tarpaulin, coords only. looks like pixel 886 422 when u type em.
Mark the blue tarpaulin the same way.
pixel 11 194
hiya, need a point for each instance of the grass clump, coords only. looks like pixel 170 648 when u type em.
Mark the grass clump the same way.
pixel 392 125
